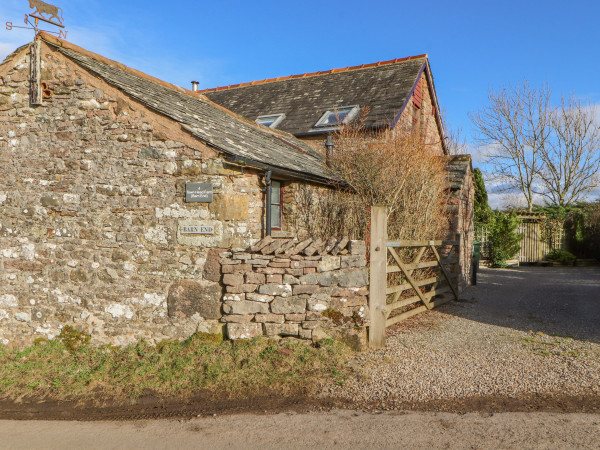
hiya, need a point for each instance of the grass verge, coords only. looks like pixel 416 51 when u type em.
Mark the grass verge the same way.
pixel 71 369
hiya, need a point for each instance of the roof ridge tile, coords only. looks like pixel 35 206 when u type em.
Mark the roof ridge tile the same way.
pixel 311 74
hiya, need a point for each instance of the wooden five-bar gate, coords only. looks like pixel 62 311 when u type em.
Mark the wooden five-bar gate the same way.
pixel 407 277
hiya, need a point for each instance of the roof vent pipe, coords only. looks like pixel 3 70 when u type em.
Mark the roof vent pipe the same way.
pixel 329 146
pixel 195 86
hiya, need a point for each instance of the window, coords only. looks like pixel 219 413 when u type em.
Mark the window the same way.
pixel 270 121
pixel 276 204
pixel 337 116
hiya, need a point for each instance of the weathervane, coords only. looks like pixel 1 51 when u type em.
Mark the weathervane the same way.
pixel 44 12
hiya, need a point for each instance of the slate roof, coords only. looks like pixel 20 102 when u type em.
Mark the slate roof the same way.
pixel 244 141
pixel 383 87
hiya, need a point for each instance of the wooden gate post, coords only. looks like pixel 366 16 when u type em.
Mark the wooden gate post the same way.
pixel 378 276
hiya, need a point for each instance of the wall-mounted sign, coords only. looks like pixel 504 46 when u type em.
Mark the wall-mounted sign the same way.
pixel 199 192
pixel 197 229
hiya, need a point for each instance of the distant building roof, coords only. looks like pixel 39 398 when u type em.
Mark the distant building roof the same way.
pixel 384 88
pixel 243 140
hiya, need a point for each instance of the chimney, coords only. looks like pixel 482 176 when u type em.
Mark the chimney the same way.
pixel 195 86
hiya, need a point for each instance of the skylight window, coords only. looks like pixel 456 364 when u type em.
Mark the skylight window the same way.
pixel 270 121
pixel 337 116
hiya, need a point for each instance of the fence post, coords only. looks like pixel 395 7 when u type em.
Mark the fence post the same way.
pixel 378 276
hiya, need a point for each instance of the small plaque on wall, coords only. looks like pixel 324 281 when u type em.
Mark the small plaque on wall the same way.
pixel 199 229
pixel 198 192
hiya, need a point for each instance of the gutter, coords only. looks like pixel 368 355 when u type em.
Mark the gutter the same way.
pixel 243 161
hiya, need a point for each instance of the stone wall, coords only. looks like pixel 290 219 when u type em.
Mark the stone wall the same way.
pixel 460 211
pixel 308 290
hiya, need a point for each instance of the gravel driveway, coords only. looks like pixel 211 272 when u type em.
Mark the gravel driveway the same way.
pixel 527 332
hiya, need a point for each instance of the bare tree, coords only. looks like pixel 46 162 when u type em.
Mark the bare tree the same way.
pixel 571 158
pixel 515 126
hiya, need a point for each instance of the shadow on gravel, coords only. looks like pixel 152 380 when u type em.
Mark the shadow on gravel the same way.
pixel 561 301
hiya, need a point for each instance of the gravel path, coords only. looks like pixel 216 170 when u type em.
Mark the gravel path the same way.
pixel 527 331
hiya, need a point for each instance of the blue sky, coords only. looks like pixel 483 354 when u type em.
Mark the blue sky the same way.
pixel 472 45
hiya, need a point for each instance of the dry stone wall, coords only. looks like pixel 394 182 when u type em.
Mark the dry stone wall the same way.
pixel 308 290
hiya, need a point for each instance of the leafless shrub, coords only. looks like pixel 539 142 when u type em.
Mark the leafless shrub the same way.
pixel 398 169
pixel 323 213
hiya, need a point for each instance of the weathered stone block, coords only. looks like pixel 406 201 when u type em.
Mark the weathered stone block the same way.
pixel 329 263
pixel 307 264
pixel 258 262
pixel 245 307
pixel 357 248
pixel 259 297
pixel 234 297
pixel 328 278
pixel 290 279
pixel 353 261
pixel 293 305
pixel 149 153
pixel 282 265
pixel 270 270
pixel 294 272
pixel 188 297
pixel 314 315
pixel 242 255
pixel 239 268
pixel 295 317
pixel 237 318
pixel 274 279
pixel 243 330
pixel 274 318
pixel 282 290
pixel 305 289
pixel 309 279
pixel 256 278
pixel 353 278
pixel 212 266
pixel 284 329
pixel 310 324
pixel 233 279
pixel 319 302
pixel 241 288
pixel 305 334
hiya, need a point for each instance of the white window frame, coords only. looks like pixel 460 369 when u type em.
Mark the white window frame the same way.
pixel 278 120
pixel 322 122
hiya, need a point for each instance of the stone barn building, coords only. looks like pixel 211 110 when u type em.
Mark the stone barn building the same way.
pixel 127 207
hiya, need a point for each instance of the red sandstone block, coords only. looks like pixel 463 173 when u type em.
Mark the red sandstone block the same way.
pixel 276 278
pixel 241 289
pixel 240 268
pixel 256 278
pixel 305 289
pixel 295 272
pixel 308 270
pixel 233 279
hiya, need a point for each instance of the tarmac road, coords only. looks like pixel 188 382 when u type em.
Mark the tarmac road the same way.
pixel 335 429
